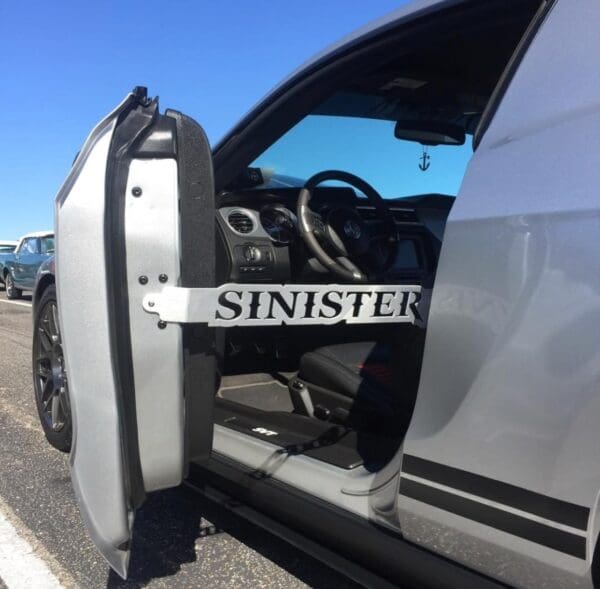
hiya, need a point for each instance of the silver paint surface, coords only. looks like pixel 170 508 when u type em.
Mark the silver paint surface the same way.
pixel 96 459
pixel 509 387
pixel 152 237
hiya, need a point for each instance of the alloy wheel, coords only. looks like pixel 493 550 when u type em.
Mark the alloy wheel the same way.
pixel 50 374
pixel 10 286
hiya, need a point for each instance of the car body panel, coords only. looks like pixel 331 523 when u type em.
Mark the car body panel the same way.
pixel 152 223
pixel 96 457
pixel 125 368
pixel 45 276
pixel 508 389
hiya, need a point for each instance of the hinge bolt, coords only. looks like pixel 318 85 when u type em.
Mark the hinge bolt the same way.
pixel 163 278
pixel 151 303
pixel 136 191
pixel 162 324
pixel 143 280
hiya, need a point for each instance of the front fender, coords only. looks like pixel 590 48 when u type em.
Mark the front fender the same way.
pixel 44 278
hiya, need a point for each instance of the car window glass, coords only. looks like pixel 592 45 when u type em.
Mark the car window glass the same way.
pixel 48 245
pixel 29 246
pixel 367 148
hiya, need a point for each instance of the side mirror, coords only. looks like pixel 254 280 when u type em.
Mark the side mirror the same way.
pixel 430 133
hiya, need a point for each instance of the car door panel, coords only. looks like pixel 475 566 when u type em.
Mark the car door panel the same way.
pixel 152 218
pixel 23 261
pixel 97 469
pixel 13 263
pixel 125 369
pixel 501 458
pixel 30 264
pixel 17 266
pixel 198 270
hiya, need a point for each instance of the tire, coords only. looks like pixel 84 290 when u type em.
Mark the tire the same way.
pixel 50 384
pixel 12 292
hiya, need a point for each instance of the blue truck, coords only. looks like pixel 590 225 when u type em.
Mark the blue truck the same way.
pixel 7 248
pixel 19 268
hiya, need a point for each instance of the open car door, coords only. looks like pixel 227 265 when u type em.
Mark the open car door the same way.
pixel 133 215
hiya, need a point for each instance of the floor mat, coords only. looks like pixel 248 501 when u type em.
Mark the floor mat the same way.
pixel 260 391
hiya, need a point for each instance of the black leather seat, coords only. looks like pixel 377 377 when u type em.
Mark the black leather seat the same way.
pixel 371 381
pixel 348 368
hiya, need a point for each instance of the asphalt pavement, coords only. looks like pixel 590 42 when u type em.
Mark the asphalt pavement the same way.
pixel 181 539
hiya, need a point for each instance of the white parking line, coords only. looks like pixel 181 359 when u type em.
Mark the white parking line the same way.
pixel 20 568
pixel 20 303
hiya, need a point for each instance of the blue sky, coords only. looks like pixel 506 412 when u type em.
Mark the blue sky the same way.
pixel 64 64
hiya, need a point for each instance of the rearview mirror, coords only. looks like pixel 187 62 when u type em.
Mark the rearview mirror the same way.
pixel 430 132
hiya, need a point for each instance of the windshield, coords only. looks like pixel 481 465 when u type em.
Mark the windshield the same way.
pixel 367 148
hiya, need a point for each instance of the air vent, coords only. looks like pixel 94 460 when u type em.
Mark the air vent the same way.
pixel 400 215
pixel 367 214
pixel 240 221
pixel 405 216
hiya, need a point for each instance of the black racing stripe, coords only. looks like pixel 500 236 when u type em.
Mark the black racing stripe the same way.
pixel 496 518
pixel 556 510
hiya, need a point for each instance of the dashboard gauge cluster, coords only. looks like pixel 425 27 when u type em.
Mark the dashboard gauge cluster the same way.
pixel 280 223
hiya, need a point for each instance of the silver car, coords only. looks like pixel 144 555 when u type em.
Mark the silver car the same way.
pixel 371 313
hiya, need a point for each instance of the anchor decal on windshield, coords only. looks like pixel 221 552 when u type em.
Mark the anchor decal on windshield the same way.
pixel 425 160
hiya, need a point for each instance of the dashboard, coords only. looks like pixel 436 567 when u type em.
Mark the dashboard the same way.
pixel 260 240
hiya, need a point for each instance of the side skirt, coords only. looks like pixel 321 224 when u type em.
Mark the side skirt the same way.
pixel 359 549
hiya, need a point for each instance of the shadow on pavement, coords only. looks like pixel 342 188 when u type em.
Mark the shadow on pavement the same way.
pixel 25 297
pixel 172 526
pixel 165 532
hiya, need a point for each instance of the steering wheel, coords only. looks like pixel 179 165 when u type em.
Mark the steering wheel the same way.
pixel 343 232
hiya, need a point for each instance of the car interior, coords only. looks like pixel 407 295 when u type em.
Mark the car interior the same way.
pixel 356 190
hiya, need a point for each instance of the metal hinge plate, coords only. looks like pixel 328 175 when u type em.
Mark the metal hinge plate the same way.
pixel 290 304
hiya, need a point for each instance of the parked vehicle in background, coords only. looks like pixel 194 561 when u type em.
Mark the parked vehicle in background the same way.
pixel 6 249
pixel 8 246
pixel 20 267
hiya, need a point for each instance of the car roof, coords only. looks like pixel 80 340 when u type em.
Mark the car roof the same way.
pixel 413 9
pixel 38 234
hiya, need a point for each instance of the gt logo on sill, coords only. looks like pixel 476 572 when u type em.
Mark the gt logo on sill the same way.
pixel 290 304
pixel 264 431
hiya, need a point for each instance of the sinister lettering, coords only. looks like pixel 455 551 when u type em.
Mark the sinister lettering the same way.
pixel 314 304
pixel 309 305
pixel 381 305
pixel 254 303
pixel 334 306
pixel 404 304
pixel 413 306
pixel 235 308
pixel 288 309
pixel 358 301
